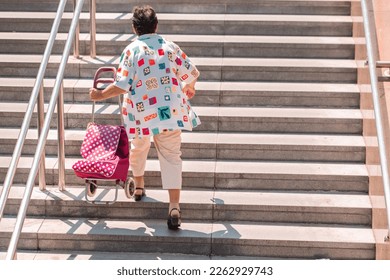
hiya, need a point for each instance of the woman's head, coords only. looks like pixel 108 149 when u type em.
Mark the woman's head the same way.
pixel 144 20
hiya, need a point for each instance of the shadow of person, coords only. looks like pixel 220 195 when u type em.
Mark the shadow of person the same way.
pixel 152 236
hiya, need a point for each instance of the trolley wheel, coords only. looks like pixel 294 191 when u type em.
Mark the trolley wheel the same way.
pixel 129 187
pixel 91 188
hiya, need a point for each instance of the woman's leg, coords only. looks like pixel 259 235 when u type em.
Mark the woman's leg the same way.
pixel 138 155
pixel 168 146
pixel 174 200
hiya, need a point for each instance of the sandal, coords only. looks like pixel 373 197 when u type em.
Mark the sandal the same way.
pixel 174 222
pixel 138 197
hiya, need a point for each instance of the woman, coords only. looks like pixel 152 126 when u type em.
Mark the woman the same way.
pixel 157 79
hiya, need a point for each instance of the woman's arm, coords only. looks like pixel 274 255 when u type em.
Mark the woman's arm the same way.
pixel 108 92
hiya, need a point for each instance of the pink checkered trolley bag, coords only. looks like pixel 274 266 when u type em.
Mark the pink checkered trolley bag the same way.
pixel 105 152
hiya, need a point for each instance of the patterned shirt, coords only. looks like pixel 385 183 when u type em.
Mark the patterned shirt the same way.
pixel 152 70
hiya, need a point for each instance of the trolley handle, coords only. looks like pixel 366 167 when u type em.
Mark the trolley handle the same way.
pixel 98 80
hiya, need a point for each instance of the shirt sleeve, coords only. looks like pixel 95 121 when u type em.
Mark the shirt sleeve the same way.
pixel 186 69
pixel 125 71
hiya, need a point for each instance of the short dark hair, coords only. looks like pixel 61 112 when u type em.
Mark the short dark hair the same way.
pixel 144 20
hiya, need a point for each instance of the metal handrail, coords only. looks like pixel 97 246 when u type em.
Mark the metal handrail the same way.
pixel 37 91
pixel 11 253
pixel 372 64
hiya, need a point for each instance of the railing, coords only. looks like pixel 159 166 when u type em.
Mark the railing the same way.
pixel 37 91
pixel 56 99
pixel 372 65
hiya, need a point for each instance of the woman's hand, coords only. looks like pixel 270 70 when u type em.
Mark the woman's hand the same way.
pixel 95 94
pixel 189 90
pixel 108 92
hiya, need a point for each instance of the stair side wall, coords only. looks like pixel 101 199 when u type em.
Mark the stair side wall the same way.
pixel 378 10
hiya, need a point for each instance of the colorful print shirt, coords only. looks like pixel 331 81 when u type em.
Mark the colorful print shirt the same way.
pixel 152 71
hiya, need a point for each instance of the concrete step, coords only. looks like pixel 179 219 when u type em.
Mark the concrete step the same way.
pixel 199 238
pixel 201 205
pixel 221 119
pixel 228 174
pixel 197 45
pixel 211 68
pixel 321 7
pixel 201 24
pixel 210 93
pixel 104 255
pixel 225 146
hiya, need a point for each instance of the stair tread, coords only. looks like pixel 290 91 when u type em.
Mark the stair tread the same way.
pixel 229 166
pixel 251 39
pixel 103 255
pixel 220 138
pixel 188 17
pixel 237 112
pixel 278 2
pixel 298 168
pixel 313 202
pixel 200 61
pixel 250 233
pixel 204 85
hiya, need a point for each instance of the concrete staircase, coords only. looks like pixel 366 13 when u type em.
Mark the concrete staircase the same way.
pixel 276 170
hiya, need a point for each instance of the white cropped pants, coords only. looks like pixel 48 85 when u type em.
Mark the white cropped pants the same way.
pixel 168 146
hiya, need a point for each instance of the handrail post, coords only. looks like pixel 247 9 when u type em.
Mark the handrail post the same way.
pixel 92 32
pixel 377 111
pixel 61 139
pixel 76 42
pixel 41 117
